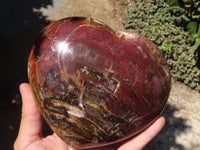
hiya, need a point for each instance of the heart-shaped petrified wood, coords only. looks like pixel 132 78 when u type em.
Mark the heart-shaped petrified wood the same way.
pixel 95 86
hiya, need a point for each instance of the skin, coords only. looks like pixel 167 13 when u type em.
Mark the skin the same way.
pixel 30 136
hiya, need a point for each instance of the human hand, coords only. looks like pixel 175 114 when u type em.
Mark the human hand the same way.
pixel 142 139
pixel 30 136
pixel 30 132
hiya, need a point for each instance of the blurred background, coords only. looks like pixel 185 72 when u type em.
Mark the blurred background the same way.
pixel 21 21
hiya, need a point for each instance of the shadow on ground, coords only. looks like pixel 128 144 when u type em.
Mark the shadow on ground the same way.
pixel 18 28
pixel 166 139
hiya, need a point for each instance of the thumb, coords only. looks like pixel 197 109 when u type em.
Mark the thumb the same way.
pixel 31 121
pixel 138 142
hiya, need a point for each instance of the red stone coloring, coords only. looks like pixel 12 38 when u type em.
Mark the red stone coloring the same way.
pixel 95 86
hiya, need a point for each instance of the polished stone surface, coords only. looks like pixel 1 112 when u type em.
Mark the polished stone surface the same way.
pixel 96 86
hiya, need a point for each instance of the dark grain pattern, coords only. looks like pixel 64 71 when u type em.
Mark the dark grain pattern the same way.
pixel 96 86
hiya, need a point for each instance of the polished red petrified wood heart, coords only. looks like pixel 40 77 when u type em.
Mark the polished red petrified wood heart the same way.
pixel 96 86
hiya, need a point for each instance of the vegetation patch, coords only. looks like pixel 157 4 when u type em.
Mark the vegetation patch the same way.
pixel 175 29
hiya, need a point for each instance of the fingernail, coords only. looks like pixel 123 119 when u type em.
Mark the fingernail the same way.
pixel 21 88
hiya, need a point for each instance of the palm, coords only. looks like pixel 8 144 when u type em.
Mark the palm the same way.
pixel 50 142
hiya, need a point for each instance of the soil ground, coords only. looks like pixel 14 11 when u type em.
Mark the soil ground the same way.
pixel 18 30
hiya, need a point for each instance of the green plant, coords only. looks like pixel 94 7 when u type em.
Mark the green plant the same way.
pixel 194 31
pixel 191 7
pixel 192 10
pixel 166 47
pixel 165 27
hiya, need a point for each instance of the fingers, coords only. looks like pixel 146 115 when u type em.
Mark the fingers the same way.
pixel 145 137
pixel 31 121
pixel 29 136
pixel 31 125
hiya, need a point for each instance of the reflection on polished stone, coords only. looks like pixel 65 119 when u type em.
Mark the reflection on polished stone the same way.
pixel 96 86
